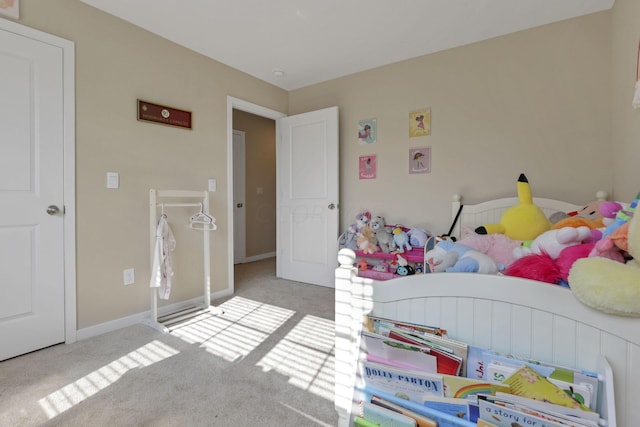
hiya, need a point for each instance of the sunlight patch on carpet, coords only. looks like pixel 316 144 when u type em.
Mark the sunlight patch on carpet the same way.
pixel 306 355
pixel 233 335
pixel 87 386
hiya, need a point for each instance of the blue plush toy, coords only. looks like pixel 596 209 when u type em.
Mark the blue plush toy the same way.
pixel 451 257
pixel 401 239
pixel 417 237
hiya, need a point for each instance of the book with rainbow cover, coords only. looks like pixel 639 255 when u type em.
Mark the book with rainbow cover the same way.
pixel 462 387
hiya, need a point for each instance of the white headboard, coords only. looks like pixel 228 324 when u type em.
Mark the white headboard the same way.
pixel 491 211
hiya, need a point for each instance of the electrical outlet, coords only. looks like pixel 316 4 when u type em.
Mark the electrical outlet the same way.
pixel 129 276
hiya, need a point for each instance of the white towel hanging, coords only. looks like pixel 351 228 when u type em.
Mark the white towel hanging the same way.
pixel 162 269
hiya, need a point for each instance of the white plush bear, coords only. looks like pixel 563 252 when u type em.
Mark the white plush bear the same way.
pixel 552 242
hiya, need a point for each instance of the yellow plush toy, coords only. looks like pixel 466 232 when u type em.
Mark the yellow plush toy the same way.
pixel 524 221
pixel 608 285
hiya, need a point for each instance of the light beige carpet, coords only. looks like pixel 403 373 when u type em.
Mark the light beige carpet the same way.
pixel 267 361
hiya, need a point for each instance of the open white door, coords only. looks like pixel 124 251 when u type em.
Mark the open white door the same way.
pixel 307 173
pixel 239 209
pixel 32 191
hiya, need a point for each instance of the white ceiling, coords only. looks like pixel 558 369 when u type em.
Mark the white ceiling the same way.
pixel 313 41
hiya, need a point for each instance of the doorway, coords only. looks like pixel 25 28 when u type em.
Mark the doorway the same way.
pixel 306 196
pixel 254 187
pixel 237 107
pixel 239 196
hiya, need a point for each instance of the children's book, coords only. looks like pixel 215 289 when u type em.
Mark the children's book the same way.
pixel 442 419
pixel 421 420
pixel 475 363
pixel 397 353
pixel 526 382
pixel 361 422
pixel 462 387
pixel 483 423
pixel 498 372
pixel 479 358
pixel 503 416
pixel 578 416
pixel 379 325
pixel 521 408
pixel 407 384
pixel 384 417
pixel 458 408
pixel 447 362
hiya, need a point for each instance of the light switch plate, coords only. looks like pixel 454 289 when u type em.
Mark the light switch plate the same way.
pixel 212 184
pixel 129 276
pixel 113 180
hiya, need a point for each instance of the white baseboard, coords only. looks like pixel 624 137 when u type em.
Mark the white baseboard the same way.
pixel 259 257
pixel 221 294
pixel 135 319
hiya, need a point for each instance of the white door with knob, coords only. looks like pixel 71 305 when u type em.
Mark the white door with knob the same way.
pixel 32 199
pixel 307 173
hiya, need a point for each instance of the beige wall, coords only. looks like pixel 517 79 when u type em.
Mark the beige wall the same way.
pixel 552 102
pixel 536 101
pixel 260 184
pixel 116 63
pixel 625 120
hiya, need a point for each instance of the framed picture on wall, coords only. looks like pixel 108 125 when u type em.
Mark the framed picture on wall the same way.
pixel 368 166
pixel 420 160
pixel 367 131
pixel 420 123
pixel 10 8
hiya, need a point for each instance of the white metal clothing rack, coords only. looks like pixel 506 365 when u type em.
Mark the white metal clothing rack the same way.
pixel 160 199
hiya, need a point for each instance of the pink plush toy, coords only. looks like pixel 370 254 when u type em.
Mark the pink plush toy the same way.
pixel 612 245
pixel 538 267
pixel 543 268
pixel 569 255
pixel 497 246
pixel 608 210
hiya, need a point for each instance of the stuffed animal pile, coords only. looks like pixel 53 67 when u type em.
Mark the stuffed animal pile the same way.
pixel 594 251
pixel 591 251
pixel 607 284
pixel 371 234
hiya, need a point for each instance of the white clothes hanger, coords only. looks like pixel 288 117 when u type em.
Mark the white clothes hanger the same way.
pixel 202 220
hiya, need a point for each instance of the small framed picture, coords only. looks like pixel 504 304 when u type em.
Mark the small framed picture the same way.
pixel 368 166
pixel 367 131
pixel 420 160
pixel 10 8
pixel 420 123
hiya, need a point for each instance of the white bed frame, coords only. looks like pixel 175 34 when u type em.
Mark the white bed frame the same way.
pixel 507 314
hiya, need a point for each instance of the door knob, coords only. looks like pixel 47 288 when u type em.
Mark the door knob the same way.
pixel 331 206
pixel 239 205
pixel 53 210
